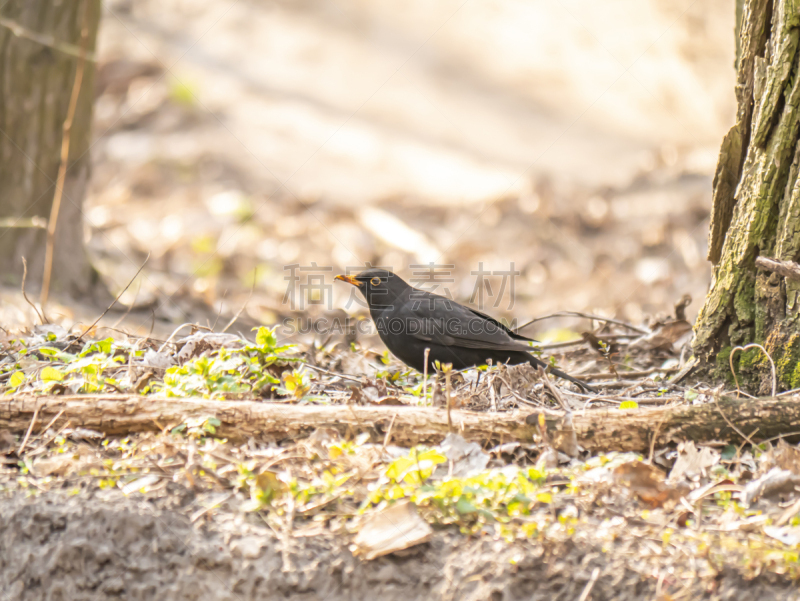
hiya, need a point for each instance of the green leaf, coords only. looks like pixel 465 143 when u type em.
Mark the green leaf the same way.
pixel 51 374
pixel 266 338
pixel 629 405
pixel 99 346
pixel 91 370
pixel 465 506
pixel 16 379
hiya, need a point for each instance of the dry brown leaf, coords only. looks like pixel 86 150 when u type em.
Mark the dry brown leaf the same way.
pixel 788 513
pixel 713 488
pixel 388 400
pixel 788 535
pixel 7 441
pixel 692 463
pixel 663 336
pixel 787 457
pixel 55 465
pixel 467 457
pixel 392 529
pixel 556 431
pixel 775 481
pixel 648 483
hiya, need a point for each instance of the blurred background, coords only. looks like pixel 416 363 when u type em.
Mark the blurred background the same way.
pixel 572 141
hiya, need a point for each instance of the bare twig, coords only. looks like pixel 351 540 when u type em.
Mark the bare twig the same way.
pixel 585 316
pixel 788 269
pixel 588 589
pixel 175 331
pixel 655 437
pixel 515 394
pixel 786 435
pixel 46 40
pixel 62 169
pixel 333 373
pixel 47 441
pixel 114 302
pixel 28 433
pixel 130 307
pixel 613 369
pixel 52 421
pixel 388 437
pixel 741 446
pixel 218 312
pixel 628 374
pixel 24 295
pixel 729 422
pixel 620 384
pixel 581 341
pixel 771 364
pixel 553 390
pixel 152 326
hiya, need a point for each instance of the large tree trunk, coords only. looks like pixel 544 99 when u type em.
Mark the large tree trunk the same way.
pixel 39 50
pixel 756 206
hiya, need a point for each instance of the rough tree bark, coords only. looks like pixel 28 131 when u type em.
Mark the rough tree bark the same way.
pixel 597 430
pixel 756 206
pixel 39 50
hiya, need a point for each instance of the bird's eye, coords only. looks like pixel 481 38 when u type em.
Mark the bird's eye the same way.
pixel 375 281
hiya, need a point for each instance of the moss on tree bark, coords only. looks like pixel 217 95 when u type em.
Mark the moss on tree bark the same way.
pixel 756 206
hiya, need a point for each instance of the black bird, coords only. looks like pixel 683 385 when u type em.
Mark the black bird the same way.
pixel 410 320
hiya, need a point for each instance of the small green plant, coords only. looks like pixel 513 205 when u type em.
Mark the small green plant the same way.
pixel 230 372
pixel 102 366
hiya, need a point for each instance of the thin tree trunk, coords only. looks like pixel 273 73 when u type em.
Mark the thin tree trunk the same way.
pixel 756 206
pixel 39 48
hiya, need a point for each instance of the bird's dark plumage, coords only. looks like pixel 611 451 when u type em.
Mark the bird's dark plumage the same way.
pixel 410 320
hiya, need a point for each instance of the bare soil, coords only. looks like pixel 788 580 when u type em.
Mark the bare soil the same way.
pixel 60 547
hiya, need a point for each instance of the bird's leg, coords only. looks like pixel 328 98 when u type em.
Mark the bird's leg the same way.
pixel 449 397
pixel 425 377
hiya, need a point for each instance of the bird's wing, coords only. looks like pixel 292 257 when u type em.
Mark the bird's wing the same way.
pixel 510 332
pixel 436 319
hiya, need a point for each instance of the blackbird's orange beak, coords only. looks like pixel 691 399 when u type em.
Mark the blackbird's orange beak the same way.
pixel 349 279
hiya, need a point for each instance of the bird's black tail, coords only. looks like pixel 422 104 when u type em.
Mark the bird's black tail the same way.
pixel 536 362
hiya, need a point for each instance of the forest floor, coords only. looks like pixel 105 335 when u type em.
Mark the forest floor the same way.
pixel 208 466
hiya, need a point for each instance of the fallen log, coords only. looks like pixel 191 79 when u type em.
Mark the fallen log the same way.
pixel 596 429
